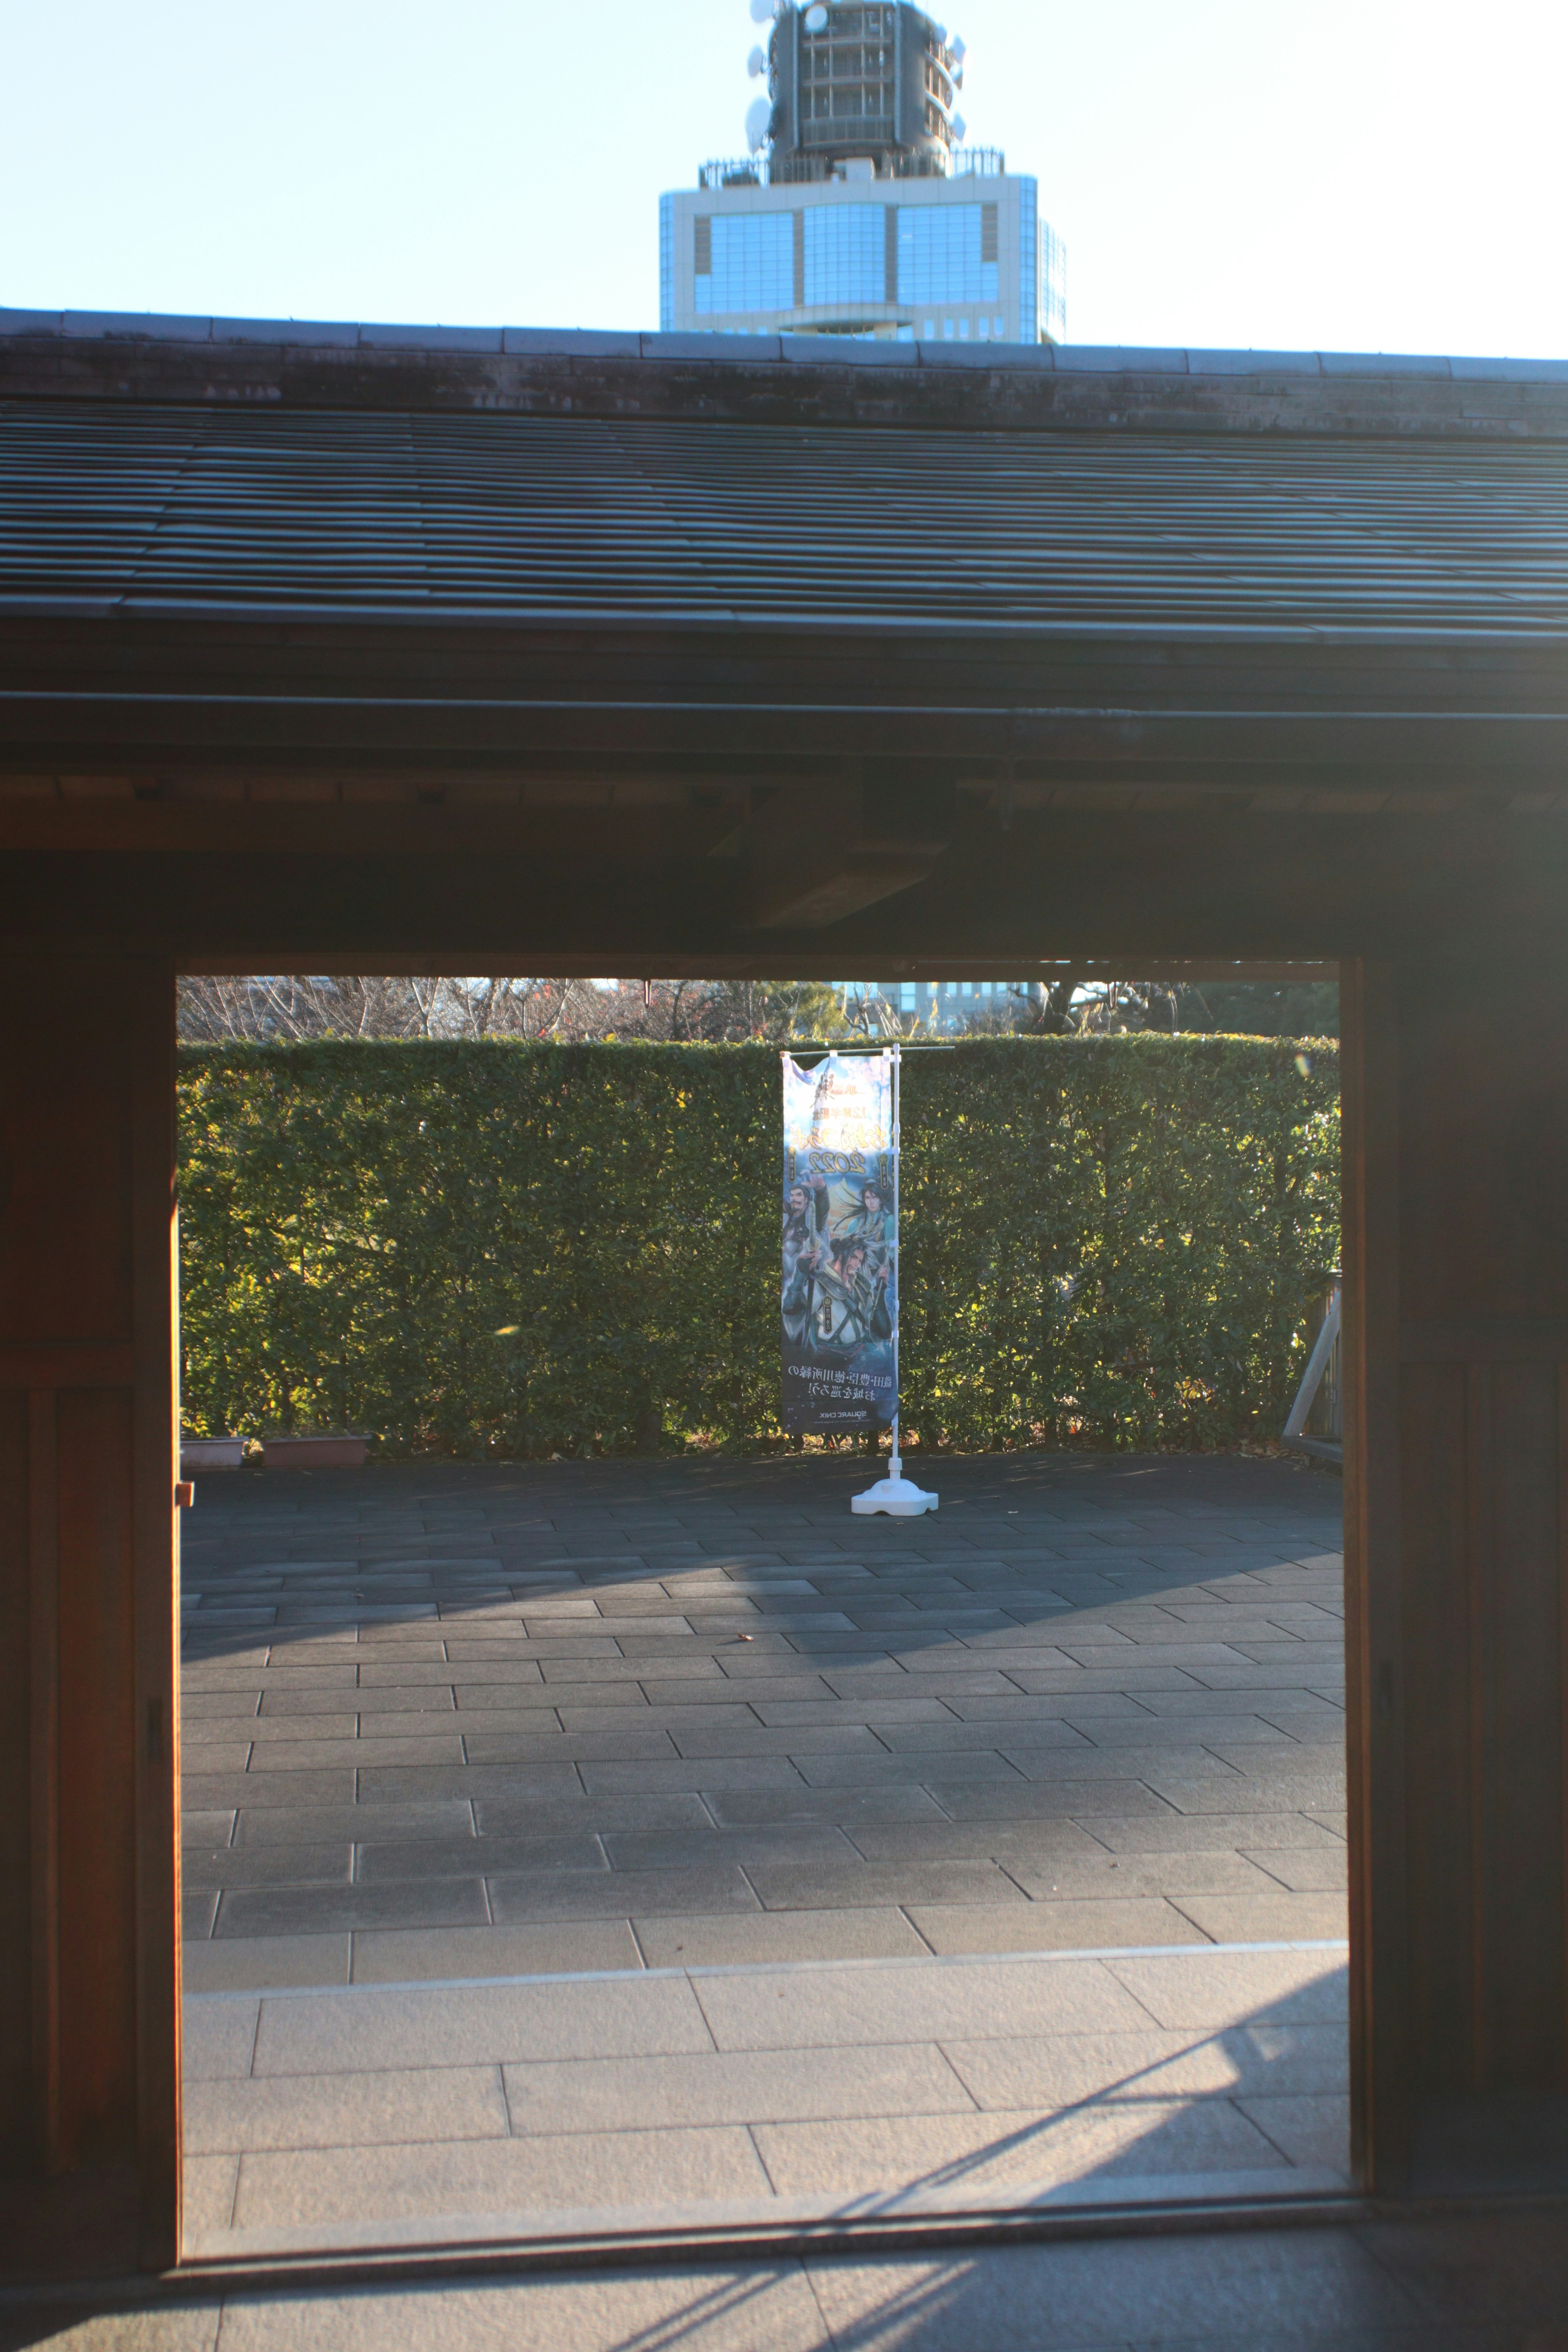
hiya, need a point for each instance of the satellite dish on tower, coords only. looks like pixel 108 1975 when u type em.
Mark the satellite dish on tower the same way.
pixel 761 11
pixel 816 19
pixel 959 128
pixel 759 118
pixel 756 64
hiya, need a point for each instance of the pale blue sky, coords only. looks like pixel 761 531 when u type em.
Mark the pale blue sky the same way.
pixel 1375 176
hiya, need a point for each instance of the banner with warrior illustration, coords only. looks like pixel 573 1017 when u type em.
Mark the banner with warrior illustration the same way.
pixel 839 1297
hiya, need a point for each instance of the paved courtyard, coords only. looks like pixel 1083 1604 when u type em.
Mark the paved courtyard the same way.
pixel 824 1860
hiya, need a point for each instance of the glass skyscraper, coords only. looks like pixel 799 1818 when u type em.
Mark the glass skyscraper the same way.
pixel 860 211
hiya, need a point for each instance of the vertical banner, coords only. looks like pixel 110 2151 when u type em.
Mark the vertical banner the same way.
pixel 839 1304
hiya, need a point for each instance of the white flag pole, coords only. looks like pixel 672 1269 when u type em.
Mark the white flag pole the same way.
pixel 895 1474
pixel 895 1493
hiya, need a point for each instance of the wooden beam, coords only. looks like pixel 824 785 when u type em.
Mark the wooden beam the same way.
pixel 1379 1924
pixel 86 1470
pixel 1456 1242
pixel 155 1533
pixel 1150 890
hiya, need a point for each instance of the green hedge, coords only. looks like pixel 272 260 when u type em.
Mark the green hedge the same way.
pixel 526 1248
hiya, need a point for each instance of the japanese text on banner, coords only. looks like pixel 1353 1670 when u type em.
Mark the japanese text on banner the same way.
pixel 839 1298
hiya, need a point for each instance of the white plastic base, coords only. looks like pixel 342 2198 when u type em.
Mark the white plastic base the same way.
pixel 898 1496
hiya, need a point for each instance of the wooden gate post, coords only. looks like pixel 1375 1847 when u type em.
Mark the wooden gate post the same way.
pixel 88 1621
pixel 1457 1534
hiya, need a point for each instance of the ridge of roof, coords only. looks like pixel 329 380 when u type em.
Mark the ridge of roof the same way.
pixel 792 350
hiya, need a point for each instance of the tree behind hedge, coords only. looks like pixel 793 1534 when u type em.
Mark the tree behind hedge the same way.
pixel 525 1249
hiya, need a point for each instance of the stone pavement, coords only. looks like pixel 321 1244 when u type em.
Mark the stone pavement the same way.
pixel 1493 2282
pixel 600 1845
pixel 447 1721
pixel 364 2117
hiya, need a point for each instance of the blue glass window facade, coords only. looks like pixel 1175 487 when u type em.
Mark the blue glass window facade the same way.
pixel 846 252
pixel 940 257
pixel 666 263
pixel 1028 262
pixel 751 264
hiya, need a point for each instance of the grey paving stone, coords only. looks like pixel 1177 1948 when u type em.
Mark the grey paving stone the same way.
pixel 208 2188
pixel 837 1886
pixel 933 1677
pixel 1060 2071
pixel 1079 1876
pixel 1213 1989
pixel 198 1907
pixel 1286 1762
pixel 240 1963
pixel 1129 1676
pixel 1308 2128
pixel 1157 1767
pixel 221 1674
pixel 364 2028
pixel 1189 1793
pixel 395 1784
pixel 267 1825
pixel 248 1791
pixel 296 1753
pixel 757 1691
pixel 205 1759
pixel 384 1673
pixel 1285 1915
pixel 742 1939
pixel 1270 1678
pixel 722 1714
pixel 687 1666
pixel 1220 1705
pixel 1037 1842
pixel 471 1649
pixel 318 1910
pixel 1168 1833
pixel 571 1947
pixel 347 2111
pixel 619 1894
pixel 1053 1926
pixel 517 2176
pixel 226 1707
pixel 1305 1871
pixel 974 1738
pixel 830 1739
pixel 725 2086
pixel 381 1860
pixel 633 1741
pixel 749 1808
pixel 282 1865
pixel 217 2039
pixel 395 1699
pixel 1171 2137
pixel 784 1714
pixel 719 1773
pixel 817 2008
pixel 1219 1733
pixel 1019 1799
pixel 1084 1707
pixel 795 1845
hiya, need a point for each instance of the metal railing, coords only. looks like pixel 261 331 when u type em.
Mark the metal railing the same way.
pixel 801 169
pixel 1315 1423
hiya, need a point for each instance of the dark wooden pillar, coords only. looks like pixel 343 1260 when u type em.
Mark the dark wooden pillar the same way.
pixel 1457 1514
pixel 89 1619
